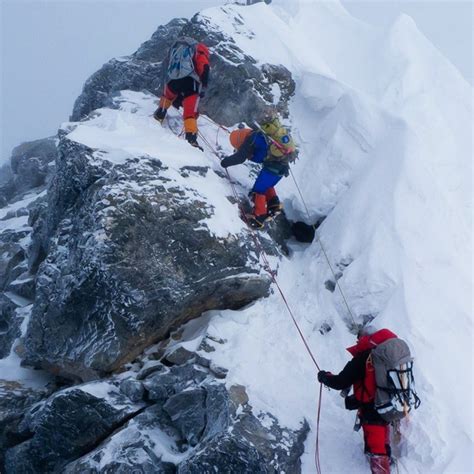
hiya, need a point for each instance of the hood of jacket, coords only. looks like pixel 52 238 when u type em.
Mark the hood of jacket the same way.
pixel 370 341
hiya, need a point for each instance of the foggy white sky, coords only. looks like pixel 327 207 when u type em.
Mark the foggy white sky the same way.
pixel 49 48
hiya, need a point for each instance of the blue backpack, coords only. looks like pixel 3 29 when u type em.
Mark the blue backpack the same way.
pixel 180 59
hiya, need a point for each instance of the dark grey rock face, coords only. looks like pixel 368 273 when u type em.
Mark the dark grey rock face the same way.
pixel 133 389
pixel 14 401
pixel 29 168
pixel 226 453
pixel 139 72
pixel 20 193
pixel 127 261
pixel 239 90
pixel 16 285
pixel 30 162
pixel 119 258
pixel 9 325
pixel 187 411
pixel 195 426
pixel 5 173
pixel 155 418
pixel 134 449
pixel 64 427
pixel 12 256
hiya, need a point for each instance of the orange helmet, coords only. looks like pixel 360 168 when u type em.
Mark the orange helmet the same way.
pixel 237 137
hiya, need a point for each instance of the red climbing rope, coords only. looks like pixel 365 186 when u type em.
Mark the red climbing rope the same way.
pixel 266 266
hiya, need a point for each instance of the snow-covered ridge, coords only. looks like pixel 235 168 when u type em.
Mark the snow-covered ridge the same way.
pixel 384 126
pixel 131 131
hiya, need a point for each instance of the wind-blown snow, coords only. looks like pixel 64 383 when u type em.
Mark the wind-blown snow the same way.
pixel 384 123
pixel 10 368
pixel 131 131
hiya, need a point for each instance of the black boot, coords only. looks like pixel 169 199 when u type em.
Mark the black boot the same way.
pixel 274 206
pixel 192 140
pixel 159 114
pixel 256 222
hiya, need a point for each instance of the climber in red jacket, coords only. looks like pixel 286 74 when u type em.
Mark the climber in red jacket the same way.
pixel 187 77
pixel 359 373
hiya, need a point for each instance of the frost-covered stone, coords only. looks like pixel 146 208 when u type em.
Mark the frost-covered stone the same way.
pixel 145 445
pixel 9 325
pixel 16 285
pixel 237 81
pixel 196 425
pixel 12 255
pixel 29 168
pixel 65 426
pixel 30 163
pixel 133 389
pixel 15 399
pixel 141 71
pixel 180 356
pixel 187 412
pixel 128 259
pixel 226 453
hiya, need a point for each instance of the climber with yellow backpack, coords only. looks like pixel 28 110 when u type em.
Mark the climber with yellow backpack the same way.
pixel 270 144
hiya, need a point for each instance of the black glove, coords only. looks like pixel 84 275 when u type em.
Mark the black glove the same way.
pixel 351 403
pixel 202 94
pixel 224 163
pixel 323 376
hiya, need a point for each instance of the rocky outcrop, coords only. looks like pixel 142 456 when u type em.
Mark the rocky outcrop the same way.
pixel 65 426
pixel 116 255
pixel 237 81
pixel 29 168
pixel 128 259
pixel 30 162
pixel 9 325
pixel 21 192
pixel 141 71
pixel 15 399
pixel 158 417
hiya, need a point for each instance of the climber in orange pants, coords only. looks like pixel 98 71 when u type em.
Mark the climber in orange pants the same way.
pixel 187 78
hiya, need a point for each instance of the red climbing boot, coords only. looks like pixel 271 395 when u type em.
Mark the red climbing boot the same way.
pixel 274 206
pixel 257 219
pixel 379 464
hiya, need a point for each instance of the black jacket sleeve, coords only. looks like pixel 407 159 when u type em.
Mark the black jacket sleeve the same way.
pixel 353 371
pixel 243 153
pixel 205 76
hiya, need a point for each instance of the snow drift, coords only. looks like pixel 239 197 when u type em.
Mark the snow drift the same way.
pixel 384 125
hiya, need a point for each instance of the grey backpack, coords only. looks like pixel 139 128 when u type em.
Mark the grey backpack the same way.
pixel 180 59
pixel 395 392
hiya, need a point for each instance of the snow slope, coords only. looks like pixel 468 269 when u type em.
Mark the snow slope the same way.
pixel 384 122
pixel 384 125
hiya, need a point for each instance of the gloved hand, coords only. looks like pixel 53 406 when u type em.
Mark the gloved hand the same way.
pixel 224 164
pixel 202 94
pixel 323 376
